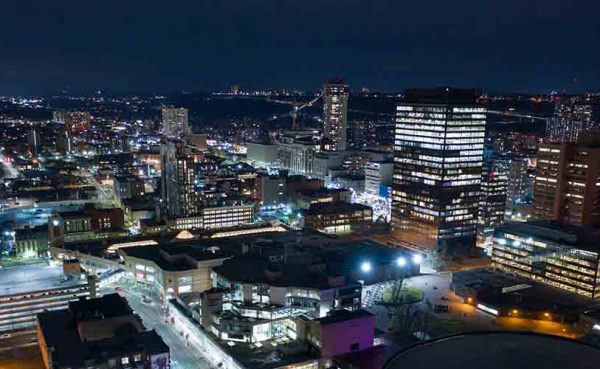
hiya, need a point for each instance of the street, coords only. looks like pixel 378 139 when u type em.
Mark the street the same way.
pixel 153 317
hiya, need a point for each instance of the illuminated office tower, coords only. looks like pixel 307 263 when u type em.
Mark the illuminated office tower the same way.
pixel 573 116
pixel 179 195
pixel 567 183
pixel 175 122
pixel 494 183
pixel 438 156
pixel 335 114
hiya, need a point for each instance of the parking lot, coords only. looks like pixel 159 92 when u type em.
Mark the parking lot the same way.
pixel 30 278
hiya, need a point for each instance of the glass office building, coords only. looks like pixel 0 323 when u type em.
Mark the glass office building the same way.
pixel 439 141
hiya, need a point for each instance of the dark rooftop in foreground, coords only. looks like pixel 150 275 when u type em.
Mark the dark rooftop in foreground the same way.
pixel 372 358
pixel 107 306
pixel 269 357
pixel 491 350
pixel 91 331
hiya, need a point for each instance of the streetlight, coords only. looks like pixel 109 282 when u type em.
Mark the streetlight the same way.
pixel 401 261
pixel 366 267
pixel 417 259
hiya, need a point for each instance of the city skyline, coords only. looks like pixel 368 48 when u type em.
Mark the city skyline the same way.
pixel 386 46
pixel 325 184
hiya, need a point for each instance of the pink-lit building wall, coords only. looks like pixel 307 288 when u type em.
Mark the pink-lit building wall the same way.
pixel 346 336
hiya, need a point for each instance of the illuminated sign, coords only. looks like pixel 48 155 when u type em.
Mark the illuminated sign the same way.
pixel 514 288
pixel 487 309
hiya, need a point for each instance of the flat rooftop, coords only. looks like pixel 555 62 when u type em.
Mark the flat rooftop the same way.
pixel 249 269
pixel 311 264
pixel 530 295
pixel 182 255
pixel 344 315
pixel 62 330
pixel 271 354
pixel 26 278
pixel 490 350
pixel 322 191
pixel 335 208
pixel 585 238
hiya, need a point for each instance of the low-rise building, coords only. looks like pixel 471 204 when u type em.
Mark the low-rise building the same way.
pixel 270 190
pixel 296 151
pixel 340 333
pixel 338 217
pixel 129 186
pixel 503 294
pixel 304 199
pixel 262 154
pixel 227 216
pixel 31 242
pixel 173 268
pixel 99 333
pixel 564 256
pixel 325 161
pixel 378 176
pixel 85 224
pixel 300 183
pixel 256 284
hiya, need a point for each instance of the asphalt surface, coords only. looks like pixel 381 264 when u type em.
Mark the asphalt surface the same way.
pixel 153 316
pixel 31 278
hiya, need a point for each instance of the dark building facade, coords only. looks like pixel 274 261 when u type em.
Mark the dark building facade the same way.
pixel 179 194
pixel 494 185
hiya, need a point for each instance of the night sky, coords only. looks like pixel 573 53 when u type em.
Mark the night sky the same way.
pixel 195 45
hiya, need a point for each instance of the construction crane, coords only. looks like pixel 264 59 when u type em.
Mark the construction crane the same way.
pixel 296 107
